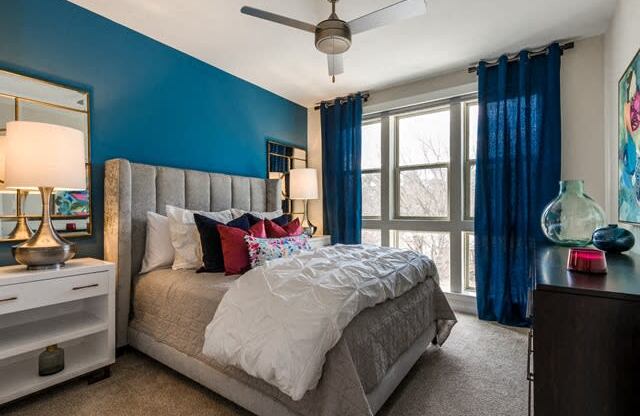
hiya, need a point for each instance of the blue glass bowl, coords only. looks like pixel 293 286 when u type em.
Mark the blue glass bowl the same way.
pixel 613 239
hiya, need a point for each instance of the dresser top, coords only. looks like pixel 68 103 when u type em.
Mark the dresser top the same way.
pixel 10 275
pixel 621 281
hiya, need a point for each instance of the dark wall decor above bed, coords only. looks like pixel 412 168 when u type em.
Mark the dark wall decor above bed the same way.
pixel 281 158
pixel 149 102
pixel 25 98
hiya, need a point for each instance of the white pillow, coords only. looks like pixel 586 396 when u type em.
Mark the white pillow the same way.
pixel 158 250
pixel 269 215
pixel 185 238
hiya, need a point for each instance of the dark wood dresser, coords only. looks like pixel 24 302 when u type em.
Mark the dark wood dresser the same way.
pixel 585 358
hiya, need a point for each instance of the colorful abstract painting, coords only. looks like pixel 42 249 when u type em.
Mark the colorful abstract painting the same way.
pixel 72 203
pixel 629 143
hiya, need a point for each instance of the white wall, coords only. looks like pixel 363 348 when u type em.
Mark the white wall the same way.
pixel 582 98
pixel 621 42
pixel 314 160
pixel 582 95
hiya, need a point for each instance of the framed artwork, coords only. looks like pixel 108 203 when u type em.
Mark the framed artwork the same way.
pixel 629 143
pixel 280 159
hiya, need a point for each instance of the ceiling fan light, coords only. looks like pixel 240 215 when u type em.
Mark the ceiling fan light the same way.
pixel 333 37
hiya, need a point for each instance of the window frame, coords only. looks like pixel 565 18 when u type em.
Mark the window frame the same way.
pixel 468 162
pixel 457 223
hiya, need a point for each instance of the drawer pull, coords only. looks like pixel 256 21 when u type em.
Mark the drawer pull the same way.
pixel 9 299
pixel 529 354
pixel 85 287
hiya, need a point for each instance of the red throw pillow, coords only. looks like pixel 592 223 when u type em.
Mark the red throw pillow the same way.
pixel 275 231
pixel 258 230
pixel 293 228
pixel 234 248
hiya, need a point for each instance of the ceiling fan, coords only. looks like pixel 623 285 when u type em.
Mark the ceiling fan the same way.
pixel 333 35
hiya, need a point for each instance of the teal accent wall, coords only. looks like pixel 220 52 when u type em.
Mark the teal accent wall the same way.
pixel 149 102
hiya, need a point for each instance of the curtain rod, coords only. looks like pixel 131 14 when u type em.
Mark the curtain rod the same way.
pixel 516 56
pixel 363 94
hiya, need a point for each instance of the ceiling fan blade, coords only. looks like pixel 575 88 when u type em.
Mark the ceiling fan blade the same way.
pixel 283 20
pixel 398 11
pixel 336 65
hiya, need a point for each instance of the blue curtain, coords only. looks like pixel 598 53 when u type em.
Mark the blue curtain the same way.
pixel 341 172
pixel 518 169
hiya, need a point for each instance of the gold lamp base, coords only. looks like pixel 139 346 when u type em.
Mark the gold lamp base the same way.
pixel 21 231
pixel 307 228
pixel 46 249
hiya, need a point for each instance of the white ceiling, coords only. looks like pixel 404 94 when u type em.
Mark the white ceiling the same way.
pixel 451 35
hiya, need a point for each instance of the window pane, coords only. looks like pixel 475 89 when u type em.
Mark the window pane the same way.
pixel 371 237
pixel 371 194
pixel 435 245
pixel 371 134
pixel 423 193
pixel 472 124
pixel 424 138
pixel 470 264
pixel 471 191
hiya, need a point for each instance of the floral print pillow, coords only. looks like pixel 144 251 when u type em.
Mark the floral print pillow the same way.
pixel 262 250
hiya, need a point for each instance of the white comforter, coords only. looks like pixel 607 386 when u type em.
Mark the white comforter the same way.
pixel 279 320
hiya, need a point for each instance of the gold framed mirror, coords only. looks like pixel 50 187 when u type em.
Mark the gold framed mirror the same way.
pixel 31 99
pixel 280 159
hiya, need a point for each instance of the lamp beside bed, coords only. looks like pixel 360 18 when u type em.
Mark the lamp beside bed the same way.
pixel 304 186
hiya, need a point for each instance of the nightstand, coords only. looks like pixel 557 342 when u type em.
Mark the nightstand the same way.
pixel 73 307
pixel 320 241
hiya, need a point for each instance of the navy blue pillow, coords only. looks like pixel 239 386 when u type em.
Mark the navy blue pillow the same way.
pixel 210 240
pixel 281 220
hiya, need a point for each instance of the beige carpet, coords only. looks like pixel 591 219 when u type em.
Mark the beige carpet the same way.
pixel 479 371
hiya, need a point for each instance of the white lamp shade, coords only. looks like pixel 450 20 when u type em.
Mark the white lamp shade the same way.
pixel 303 183
pixel 41 154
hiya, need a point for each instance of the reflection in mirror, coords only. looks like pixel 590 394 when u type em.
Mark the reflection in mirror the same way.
pixel 30 99
pixel 280 159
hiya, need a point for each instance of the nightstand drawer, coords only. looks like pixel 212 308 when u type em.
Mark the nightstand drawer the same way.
pixel 23 296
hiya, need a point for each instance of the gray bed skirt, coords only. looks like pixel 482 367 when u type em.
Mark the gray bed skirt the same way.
pixel 255 401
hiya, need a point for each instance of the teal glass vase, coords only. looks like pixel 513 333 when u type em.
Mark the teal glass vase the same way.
pixel 572 217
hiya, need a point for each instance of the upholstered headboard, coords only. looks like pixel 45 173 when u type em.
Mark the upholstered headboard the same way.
pixel 133 189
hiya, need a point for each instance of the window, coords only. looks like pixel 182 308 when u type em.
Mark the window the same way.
pixel 422 164
pixel 436 245
pixel 418 176
pixel 371 237
pixel 371 169
pixel 469 263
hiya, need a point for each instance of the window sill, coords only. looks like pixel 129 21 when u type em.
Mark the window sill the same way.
pixel 462 302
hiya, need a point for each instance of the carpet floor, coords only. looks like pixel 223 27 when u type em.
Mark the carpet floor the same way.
pixel 480 371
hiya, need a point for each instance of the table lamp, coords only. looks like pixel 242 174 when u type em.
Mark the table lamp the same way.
pixel 21 231
pixel 44 157
pixel 303 184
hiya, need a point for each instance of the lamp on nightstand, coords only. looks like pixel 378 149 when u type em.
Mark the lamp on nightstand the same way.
pixel 42 157
pixel 303 184
pixel 21 231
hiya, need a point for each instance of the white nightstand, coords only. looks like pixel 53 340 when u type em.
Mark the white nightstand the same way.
pixel 320 241
pixel 73 307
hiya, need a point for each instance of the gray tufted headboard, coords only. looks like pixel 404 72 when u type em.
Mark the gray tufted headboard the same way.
pixel 133 189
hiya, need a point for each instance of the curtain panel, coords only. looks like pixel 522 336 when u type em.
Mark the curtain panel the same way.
pixel 341 172
pixel 518 169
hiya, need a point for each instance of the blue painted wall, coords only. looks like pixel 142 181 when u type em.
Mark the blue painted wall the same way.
pixel 149 103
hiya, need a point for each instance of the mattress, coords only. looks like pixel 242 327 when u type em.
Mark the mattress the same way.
pixel 174 308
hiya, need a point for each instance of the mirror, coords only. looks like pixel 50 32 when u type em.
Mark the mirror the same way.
pixel 30 99
pixel 280 159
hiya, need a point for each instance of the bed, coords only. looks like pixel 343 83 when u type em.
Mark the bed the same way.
pixel 164 313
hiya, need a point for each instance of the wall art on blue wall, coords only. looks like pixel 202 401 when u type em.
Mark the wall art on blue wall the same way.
pixel 629 143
